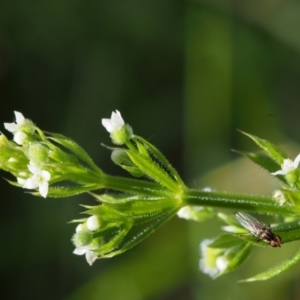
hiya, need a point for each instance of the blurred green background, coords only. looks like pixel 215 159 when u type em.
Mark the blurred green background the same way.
pixel 186 75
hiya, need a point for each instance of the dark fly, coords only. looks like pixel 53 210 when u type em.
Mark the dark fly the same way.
pixel 259 229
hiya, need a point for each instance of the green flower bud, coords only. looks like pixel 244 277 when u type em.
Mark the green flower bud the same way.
pixel 82 238
pixel 121 135
pixel 120 158
pixel 37 153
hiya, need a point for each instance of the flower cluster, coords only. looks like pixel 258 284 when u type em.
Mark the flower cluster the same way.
pixel 26 167
pixel 55 166
pixel 38 161
pixel 52 165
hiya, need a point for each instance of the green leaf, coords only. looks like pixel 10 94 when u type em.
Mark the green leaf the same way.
pixel 228 218
pixel 222 255
pixel 74 148
pixel 276 270
pixel 225 241
pixel 151 169
pixel 62 192
pixel 275 153
pixel 114 241
pixel 137 206
pixel 76 173
pixel 145 232
pixel 236 256
pixel 160 158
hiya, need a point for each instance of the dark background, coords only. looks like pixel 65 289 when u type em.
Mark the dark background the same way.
pixel 185 75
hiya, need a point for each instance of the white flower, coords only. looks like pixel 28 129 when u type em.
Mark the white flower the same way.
pixel 39 179
pixel 92 223
pixel 222 263
pixel 208 258
pixel 19 136
pixel 288 166
pixel 184 212
pixel 115 122
pixel 90 255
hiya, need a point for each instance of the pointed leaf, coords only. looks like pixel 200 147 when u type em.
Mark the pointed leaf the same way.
pixel 161 159
pixel 74 148
pixel 275 153
pixel 152 170
pixel 136 239
pixel 236 255
pixel 62 192
pixel 276 270
pixel 225 241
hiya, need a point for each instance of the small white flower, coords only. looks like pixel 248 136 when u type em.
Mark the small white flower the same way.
pixel 90 255
pixel 287 166
pixel 39 179
pixel 115 122
pixel 184 212
pixel 19 136
pixel 222 263
pixel 208 258
pixel 92 223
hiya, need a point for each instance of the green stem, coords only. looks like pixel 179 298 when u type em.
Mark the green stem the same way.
pixel 237 202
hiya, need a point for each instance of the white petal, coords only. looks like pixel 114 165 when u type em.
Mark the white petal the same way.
pixel 34 169
pixel 90 256
pixel 31 183
pixel 19 137
pixel 297 160
pixel 280 172
pixel 288 165
pixel 19 118
pixel 92 223
pixel 43 189
pixel 80 251
pixel 12 127
pixel 46 175
pixel 107 124
pixel 117 119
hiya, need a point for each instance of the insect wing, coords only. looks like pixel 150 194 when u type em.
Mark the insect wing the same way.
pixel 250 223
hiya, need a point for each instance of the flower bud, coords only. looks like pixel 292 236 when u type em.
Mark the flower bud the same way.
pixel 92 223
pixel 37 153
pixel 222 255
pixel 82 238
pixel 121 135
pixel 120 158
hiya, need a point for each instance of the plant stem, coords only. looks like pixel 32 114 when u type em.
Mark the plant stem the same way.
pixel 239 202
